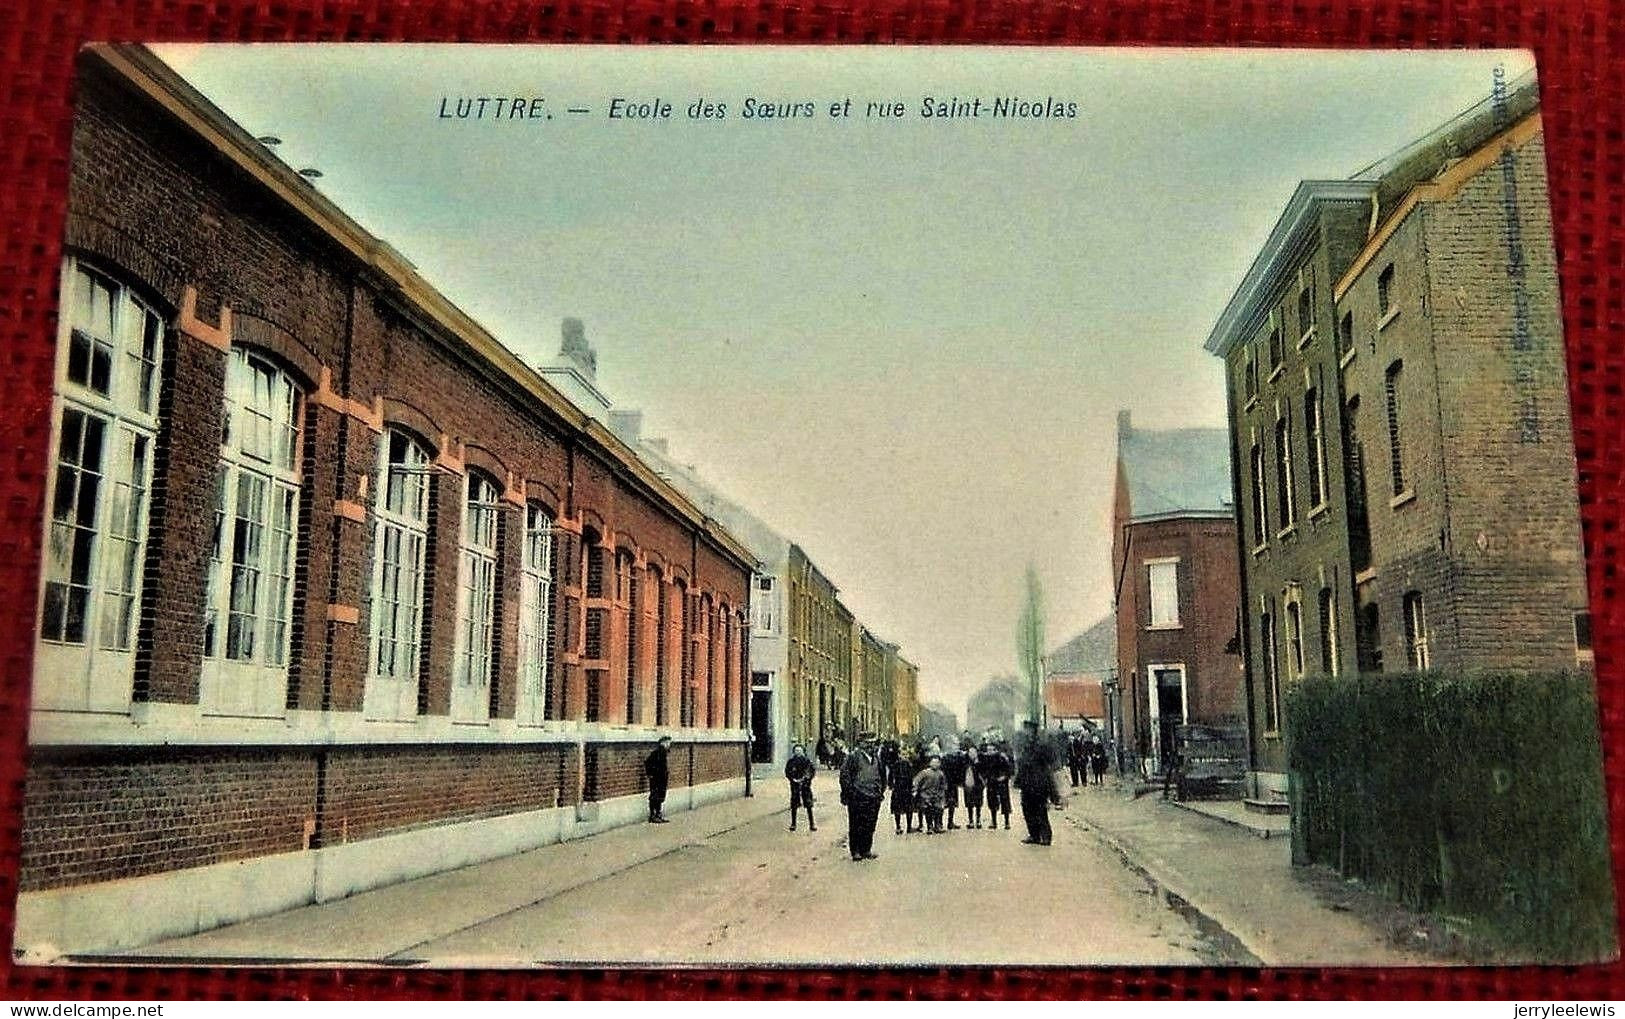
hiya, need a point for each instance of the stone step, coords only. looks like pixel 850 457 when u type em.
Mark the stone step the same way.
pixel 1272 805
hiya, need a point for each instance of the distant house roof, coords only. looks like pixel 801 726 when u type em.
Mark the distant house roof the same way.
pixel 1093 650
pixel 1174 472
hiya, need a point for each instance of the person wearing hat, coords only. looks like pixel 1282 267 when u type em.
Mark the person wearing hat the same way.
pixel 994 767
pixel 655 766
pixel 862 786
pixel 930 788
pixel 1035 777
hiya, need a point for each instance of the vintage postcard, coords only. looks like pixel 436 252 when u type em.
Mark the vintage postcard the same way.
pixel 800 506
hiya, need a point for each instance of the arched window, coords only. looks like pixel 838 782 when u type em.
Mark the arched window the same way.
pixel 535 616
pixel 106 423
pixel 476 600
pixel 249 601
pixel 399 559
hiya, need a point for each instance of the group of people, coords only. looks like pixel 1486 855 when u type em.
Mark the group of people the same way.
pixel 925 781
pixel 1085 753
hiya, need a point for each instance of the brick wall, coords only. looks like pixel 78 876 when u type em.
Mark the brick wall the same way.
pixel 1207 580
pixel 377 790
pixel 1487 530
pixel 166 214
pixel 107 814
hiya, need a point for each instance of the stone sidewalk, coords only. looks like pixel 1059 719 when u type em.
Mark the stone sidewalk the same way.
pixel 391 921
pixel 1233 879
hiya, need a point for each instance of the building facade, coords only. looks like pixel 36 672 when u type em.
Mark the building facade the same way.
pixel 337 591
pixel 1076 676
pixel 820 653
pixel 1174 564
pixel 1405 468
pixel 905 704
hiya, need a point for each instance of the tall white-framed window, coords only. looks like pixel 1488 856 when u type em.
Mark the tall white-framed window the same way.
pixel 1268 661
pixel 535 616
pixel 248 606
pixel 399 559
pixel 476 600
pixel 1294 639
pixel 1163 577
pixel 1416 632
pixel 764 604
pixel 105 423
pixel 1330 652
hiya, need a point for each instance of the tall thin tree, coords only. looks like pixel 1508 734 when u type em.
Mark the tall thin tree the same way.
pixel 1030 644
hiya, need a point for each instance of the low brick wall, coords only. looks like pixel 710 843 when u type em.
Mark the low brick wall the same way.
pixel 377 790
pixel 103 815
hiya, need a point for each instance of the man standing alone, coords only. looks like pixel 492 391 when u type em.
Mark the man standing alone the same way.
pixel 659 773
pixel 861 789
pixel 1035 777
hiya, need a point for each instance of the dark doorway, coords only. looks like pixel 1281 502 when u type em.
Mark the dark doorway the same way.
pixel 761 726
pixel 1170 709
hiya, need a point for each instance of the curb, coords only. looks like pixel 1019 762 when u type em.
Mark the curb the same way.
pixel 1263 833
pixel 1236 949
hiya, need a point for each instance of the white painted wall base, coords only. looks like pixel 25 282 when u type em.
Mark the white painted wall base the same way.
pixel 120 915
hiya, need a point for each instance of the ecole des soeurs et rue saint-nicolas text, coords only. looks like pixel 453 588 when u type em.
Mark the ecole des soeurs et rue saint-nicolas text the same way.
pixel 535 108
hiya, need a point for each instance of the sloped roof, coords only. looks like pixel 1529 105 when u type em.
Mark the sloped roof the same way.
pixel 1093 650
pixel 1175 472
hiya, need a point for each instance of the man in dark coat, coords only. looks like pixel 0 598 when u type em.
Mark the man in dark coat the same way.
pixel 1035 777
pixel 861 789
pixel 799 771
pixel 995 768
pixel 1077 761
pixel 954 764
pixel 659 773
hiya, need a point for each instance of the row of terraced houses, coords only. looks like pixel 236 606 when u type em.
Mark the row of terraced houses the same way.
pixel 336 590
pixel 1396 486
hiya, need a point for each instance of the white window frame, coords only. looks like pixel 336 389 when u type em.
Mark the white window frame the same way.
pixel 1153 603
pixel 252 680
pixel 535 601
pixel 1416 632
pixel 1272 670
pixel 476 600
pixel 1315 422
pixel 1330 641
pixel 393 695
pixel 96 671
pixel 1294 638
pixel 1285 472
pixel 764 604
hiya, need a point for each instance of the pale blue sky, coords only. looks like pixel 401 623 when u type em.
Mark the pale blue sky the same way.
pixel 902 343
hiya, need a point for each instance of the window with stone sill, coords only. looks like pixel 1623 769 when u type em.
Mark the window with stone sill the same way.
pixel 110 346
pixel 476 599
pixel 248 603
pixel 535 617
pixel 399 565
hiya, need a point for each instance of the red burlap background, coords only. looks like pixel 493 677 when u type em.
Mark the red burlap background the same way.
pixel 1581 52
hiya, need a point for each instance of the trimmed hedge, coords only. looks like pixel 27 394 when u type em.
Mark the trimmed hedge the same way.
pixel 1478 797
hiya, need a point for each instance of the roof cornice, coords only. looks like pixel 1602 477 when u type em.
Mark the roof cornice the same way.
pixel 1296 218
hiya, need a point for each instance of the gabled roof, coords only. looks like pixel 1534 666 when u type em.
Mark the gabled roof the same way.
pixel 1176 472
pixel 1093 650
